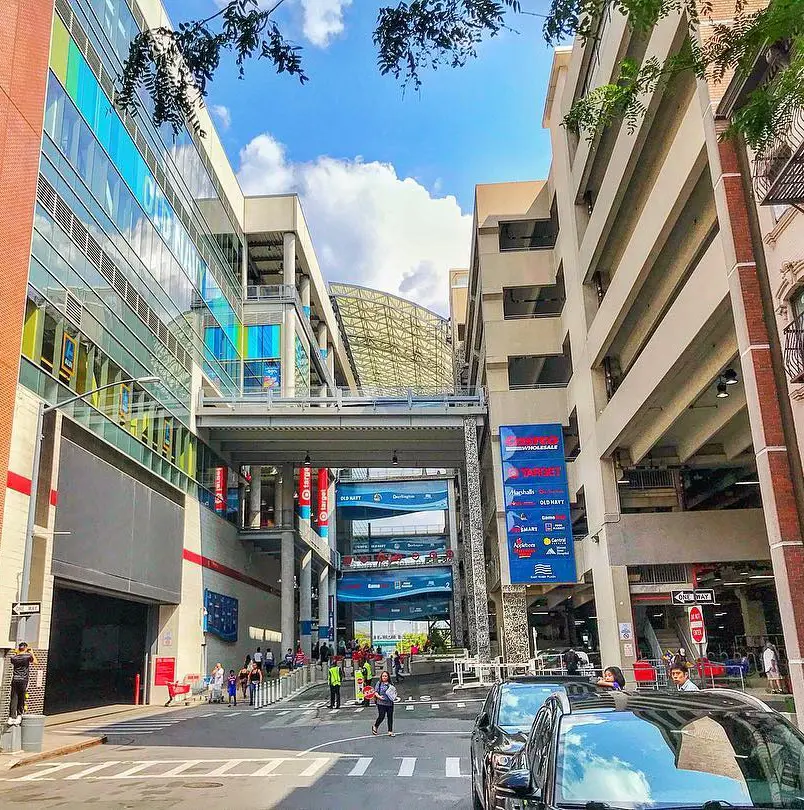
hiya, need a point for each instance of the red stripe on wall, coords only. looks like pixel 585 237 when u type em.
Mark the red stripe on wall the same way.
pixel 19 483
pixel 213 565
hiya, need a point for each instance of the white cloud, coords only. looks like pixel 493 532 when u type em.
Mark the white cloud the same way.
pixel 369 226
pixel 222 115
pixel 323 19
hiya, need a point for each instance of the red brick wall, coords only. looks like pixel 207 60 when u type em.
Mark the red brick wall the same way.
pixel 24 48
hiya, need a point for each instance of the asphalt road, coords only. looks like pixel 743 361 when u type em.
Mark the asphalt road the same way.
pixel 297 755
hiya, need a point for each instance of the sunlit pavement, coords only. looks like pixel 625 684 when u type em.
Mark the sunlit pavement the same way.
pixel 297 754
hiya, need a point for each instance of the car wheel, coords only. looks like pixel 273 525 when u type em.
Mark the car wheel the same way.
pixel 477 804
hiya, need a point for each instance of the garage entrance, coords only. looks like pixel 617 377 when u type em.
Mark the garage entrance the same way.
pixel 97 647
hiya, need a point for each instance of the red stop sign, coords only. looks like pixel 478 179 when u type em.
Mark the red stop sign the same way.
pixel 697 627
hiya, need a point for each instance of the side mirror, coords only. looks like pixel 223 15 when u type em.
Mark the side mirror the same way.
pixel 483 720
pixel 516 782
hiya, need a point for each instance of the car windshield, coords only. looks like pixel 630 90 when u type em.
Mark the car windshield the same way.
pixel 667 758
pixel 519 703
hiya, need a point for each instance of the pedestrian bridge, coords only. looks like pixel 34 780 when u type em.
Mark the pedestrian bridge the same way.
pixel 345 430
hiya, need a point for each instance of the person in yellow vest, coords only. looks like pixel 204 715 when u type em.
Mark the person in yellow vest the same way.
pixel 334 674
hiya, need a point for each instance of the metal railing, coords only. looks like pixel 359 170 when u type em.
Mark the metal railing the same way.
pixel 272 690
pixel 794 348
pixel 270 292
pixel 779 168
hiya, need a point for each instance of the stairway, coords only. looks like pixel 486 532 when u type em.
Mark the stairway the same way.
pixel 668 639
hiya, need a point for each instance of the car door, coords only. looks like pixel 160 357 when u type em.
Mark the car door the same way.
pixel 539 747
pixel 480 736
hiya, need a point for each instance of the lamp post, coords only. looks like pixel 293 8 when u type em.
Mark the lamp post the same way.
pixel 42 409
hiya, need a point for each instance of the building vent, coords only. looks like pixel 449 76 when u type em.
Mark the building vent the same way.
pixel 73 308
pixel 46 194
pixel 80 234
pixel 119 282
pixel 63 215
pixel 94 252
pixel 107 269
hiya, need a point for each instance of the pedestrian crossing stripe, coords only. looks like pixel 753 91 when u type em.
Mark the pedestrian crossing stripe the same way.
pixel 242 768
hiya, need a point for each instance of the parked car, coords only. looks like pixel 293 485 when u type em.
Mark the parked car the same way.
pixel 502 725
pixel 713 749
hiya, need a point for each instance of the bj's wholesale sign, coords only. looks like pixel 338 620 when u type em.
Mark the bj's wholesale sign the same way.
pixel 537 509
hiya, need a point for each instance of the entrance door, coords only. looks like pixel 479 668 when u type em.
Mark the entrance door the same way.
pixel 97 647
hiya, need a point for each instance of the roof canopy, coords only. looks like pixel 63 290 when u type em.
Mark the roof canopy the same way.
pixel 394 344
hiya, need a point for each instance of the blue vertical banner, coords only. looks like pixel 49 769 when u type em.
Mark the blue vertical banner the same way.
pixel 537 506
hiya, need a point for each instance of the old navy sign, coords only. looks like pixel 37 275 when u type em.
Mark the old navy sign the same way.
pixel 537 508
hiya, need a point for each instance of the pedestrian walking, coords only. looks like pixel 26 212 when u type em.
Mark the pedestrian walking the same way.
pixel 316 650
pixel 571 662
pixel 680 674
pixel 218 676
pixel 323 655
pixel 231 687
pixel 242 676
pixel 770 663
pixel 386 696
pixel 21 659
pixel 334 674
pixel 258 658
pixel 269 662
pixel 398 667
pixel 613 678
pixel 254 680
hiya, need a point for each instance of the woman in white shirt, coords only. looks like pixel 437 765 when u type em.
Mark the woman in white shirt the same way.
pixel 770 663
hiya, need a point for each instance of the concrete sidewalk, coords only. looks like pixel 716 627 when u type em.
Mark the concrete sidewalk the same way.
pixel 62 742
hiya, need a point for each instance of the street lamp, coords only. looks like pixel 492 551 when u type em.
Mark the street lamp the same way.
pixel 42 409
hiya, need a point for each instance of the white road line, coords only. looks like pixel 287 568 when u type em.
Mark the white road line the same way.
pixel 302 721
pixel 209 714
pixel 461 705
pixel 453 767
pixel 141 766
pixel 44 775
pixel 269 767
pixel 435 706
pixel 314 767
pixel 409 708
pixel 334 711
pixel 232 714
pixel 184 766
pixel 93 769
pixel 224 769
pixel 261 711
pixel 284 712
pixel 361 766
pixel 406 766
pixel 362 708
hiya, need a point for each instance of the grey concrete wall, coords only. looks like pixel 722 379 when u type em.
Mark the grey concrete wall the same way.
pixel 688 537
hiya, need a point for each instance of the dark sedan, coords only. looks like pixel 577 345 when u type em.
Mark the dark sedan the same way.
pixel 502 725
pixel 709 750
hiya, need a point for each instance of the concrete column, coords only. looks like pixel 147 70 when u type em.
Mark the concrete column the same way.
pixel 753 615
pixel 474 555
pixel 323 603
pixel 255 498
pixel 304 294
pixel 288 597
pixel 613 608
pixel 289 326
pixel 322 336
pixel 306 603
pixel 280 516
pixel 516 645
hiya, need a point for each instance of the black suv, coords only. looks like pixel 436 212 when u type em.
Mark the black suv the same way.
pixel 708 750
pixel 502 725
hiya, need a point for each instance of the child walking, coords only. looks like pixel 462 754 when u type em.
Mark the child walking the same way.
pixel 231 685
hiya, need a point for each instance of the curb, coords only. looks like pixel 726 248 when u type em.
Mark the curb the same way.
pixel 72 748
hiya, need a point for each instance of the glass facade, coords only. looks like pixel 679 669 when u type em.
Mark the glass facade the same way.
pixel 263 352
pixel 127 277
pixel 302 369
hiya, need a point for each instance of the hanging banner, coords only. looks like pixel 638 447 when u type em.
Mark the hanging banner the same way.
pixel 537 506
pixel 220 489
pixel 305 492
pixel 323 503
pixel 366 500
pixel 399 545
pixel 378 586
pixel 220 615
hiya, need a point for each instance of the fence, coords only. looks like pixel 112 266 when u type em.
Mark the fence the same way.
pixel 271 690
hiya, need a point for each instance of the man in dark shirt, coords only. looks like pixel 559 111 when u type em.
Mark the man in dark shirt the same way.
pixel 21 660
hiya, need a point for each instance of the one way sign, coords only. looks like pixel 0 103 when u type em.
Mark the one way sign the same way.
pixel 696 597
pixel 26 608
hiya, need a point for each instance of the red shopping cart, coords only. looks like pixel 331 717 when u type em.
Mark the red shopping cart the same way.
pixel 175 689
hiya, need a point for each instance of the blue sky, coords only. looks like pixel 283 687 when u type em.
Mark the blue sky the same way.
pixel 353 145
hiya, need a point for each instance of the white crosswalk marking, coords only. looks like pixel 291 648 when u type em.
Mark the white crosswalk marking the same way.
pixel 409 708
pixel 224 769
pixel 93 769
pixel 453 767
pixel 461 705
pixel 406 766
pixel 362 708
pixel 303 720
pixel 361 766
pixel 334 711
pixel 209 714
pixel 141 766
pixel 44 775
pixel 314 767
pixel 435 706
pixel 184 766
pixel 269 767
pixel 232 714
pixel 286 711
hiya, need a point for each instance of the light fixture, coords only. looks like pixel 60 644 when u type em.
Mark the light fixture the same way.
pixel 593 617
pixel 734 583
pixel 541 612
pixel 744 573
pixel 395 460
pixel 577 622
pixel 622 478
pixel 730 377
pixel 307 461
pixel 722 613
pixel 761 576
pixel 722 393
pixel 746 483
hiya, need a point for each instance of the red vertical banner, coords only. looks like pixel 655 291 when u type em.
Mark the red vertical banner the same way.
pixel 323 503
pixel 220 489
pixel 305 492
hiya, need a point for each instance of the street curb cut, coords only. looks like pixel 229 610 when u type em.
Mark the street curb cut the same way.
pixel 73 748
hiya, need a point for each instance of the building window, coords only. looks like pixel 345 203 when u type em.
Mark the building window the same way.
pixel 530 234
pixel 540 370
pixel 534 302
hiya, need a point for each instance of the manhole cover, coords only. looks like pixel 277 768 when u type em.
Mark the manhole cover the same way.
pixel 203 785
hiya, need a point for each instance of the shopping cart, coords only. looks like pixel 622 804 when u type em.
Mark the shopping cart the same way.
pixel 175 689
